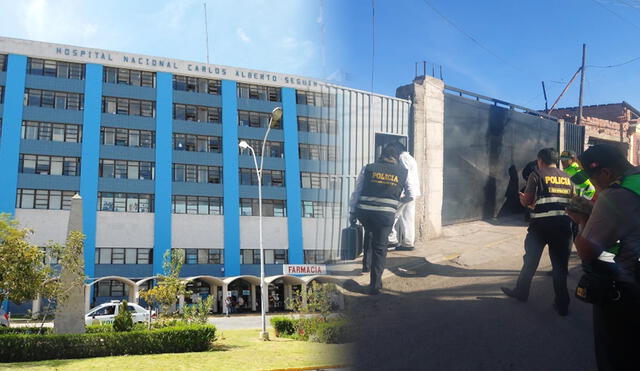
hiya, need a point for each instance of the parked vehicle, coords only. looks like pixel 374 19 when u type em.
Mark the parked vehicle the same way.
pixel 105 313
pixel 4 318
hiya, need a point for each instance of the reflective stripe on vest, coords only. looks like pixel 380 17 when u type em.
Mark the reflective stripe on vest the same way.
pixel 547 200
pixel 547 214
pixel 380 200
pixel 387 209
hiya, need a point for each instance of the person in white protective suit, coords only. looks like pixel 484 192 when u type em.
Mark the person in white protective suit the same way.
pixel 403 235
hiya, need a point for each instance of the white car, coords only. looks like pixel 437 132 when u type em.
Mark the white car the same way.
pixel 105 313
pixel 4 318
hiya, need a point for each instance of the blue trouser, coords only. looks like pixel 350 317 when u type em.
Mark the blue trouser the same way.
pixel 379 224
pixel 558 237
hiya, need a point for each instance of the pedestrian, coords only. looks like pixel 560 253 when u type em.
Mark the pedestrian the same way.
pixel 240 302
pixel 548 191
pixel 579 177
pixel 404 228
pixel 609 245
pixel 228 305
pixel 375 202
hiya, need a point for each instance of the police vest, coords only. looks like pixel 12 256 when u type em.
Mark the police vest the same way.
pixel 382 186
pixel 553 194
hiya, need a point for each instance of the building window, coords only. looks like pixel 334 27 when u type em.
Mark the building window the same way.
pixel 127 137
pixel 319 181
pixel 53 99
pixel 114 75
pixel 317 152
pixel 271 149
pixel 260 92
pixel 49 165
pixel 43 199
pixel 320 209
pixel 315 98
pixel 196 113
pixel 257 120
pixel 196 205
pixel 197 173
pixel 123 169
pixel 270 178
pixel 125 202
pixel 64 70
pixel 196 84
pixel 3 62
pixel 250 207
pixel 51 132
pixel 316 125
pixel 49 257
pixel 203 256
pixel 271 256
pixel 110 288
pixel 127 106
pixel 1 94
pixel 316 256
pixel 197 143
pixel 124 256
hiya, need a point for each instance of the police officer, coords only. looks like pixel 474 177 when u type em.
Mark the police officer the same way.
pixel 578 177
pixel 548 191
pixel 375 202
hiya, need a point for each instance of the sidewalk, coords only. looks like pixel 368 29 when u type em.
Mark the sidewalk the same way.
pixel 467 244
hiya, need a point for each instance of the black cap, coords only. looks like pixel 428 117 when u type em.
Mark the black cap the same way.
pixel 602 156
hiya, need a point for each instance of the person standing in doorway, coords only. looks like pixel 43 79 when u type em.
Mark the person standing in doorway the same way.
pixel 404 228
pixel 375 202
pixel 548 191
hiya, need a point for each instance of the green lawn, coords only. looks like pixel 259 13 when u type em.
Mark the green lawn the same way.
pixel 235 350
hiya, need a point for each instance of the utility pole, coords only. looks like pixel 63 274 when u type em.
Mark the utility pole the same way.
pixel 584 57
pixel 544 91
pixel 206 29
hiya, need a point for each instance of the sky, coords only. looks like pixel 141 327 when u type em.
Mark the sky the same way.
pixel 499 48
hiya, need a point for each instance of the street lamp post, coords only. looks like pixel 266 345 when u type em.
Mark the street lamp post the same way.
pixel 275 116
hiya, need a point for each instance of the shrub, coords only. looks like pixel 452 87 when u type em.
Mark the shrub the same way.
pixel 107 327
pixel 304 327
pixel 192 338
pixel 284 326
pixel 123 321
pixel 332 332
pixel 24 330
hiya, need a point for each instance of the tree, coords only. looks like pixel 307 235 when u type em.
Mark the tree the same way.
pixel 123 321
pixel 317 299
pixel 23 272
pixel 169 286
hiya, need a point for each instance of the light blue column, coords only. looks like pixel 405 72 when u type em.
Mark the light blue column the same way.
pixel 89 162
pixel 164 151
pixel 11 124
pixel 230 179
pixel 292 175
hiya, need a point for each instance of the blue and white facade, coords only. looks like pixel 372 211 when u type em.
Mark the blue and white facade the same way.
pixel 151 144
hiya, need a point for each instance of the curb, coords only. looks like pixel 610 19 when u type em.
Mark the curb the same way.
pixel 311 368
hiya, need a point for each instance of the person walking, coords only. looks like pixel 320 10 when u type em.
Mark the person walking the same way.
pixel 375 202
pixel 228 305
pixel 578 177
pixel 404 228
pixel 608 243
pixel 548 191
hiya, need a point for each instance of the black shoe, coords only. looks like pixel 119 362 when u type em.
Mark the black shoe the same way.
pixel 373 291
pixel 405 248
pixel 392 246
pixel 512 294
pixel 563 312
pixel 549 273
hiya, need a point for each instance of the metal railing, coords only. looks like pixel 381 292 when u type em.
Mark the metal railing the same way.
pixel 497 102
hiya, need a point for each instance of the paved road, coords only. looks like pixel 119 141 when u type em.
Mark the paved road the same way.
pixel 447 316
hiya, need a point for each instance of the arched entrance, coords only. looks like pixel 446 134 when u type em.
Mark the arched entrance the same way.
pixel 110 288
pixel 244 293
pixel 200 287
pixel 281 290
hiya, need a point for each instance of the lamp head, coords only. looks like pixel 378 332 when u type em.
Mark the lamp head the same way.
pixel 243 144
pixel 276 114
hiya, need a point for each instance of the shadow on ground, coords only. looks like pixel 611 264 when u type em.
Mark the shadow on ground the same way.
pixel 465 323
